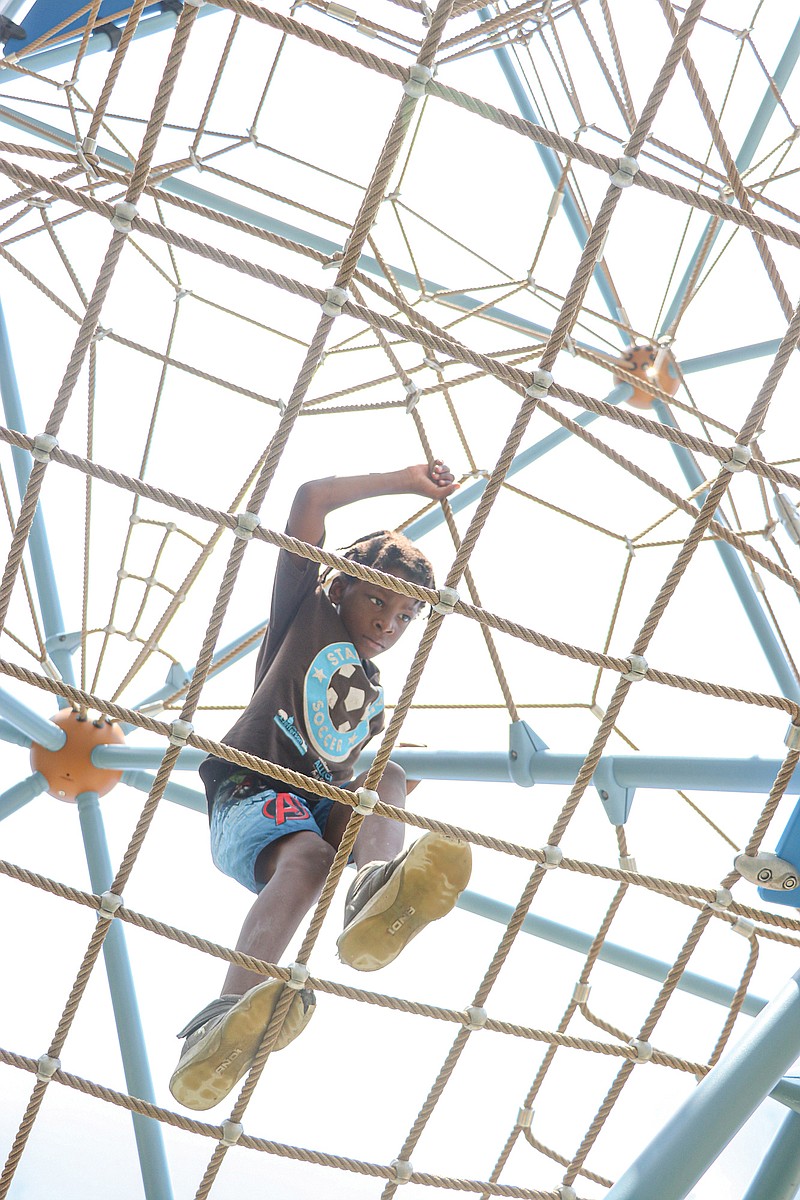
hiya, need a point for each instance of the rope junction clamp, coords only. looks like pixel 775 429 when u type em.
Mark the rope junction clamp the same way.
pixel 565 1192
pixel 124 212
pixel 477 1018
pixel 47 1068
pixel 627 863
pixel 348 15
pixel 740 458
pixel 626 172
pixel 299 974
pixel 231 1132
pixel 637 668
pixel 402 1170
pixel 722 900
pixel 552 857
pixel 180 731
pixel 792 739
pixel 418 79
pixel 366 801
pixel 43 446
pixel 109 903
pixel 448 599
pixel 413 396
pixel 746 928
pixel 193 3
pixel 525 1118
pixel 246 522
pixel 335 299
pixel 581 993
pixel 644 1051
pixel 539 387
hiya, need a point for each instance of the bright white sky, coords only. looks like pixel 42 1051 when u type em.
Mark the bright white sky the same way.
pixel 473 203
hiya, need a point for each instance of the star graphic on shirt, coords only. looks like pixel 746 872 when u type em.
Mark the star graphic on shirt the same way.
pixel 319 675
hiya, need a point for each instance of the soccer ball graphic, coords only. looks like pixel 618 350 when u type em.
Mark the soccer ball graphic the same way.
pixel 346 701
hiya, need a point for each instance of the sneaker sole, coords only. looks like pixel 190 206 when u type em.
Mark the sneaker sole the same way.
pixel 424 888
pixel 215 1065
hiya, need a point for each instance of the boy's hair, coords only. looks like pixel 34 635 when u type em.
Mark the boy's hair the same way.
pixel 393 553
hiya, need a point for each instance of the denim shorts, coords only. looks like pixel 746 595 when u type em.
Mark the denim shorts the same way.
pixel 248 816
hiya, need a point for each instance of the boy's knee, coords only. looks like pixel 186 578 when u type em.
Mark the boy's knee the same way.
pixel 392 786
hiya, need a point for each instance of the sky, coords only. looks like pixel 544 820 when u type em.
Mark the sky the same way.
pixel 472 212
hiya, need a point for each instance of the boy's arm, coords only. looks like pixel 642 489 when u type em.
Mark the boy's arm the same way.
pixel 318 497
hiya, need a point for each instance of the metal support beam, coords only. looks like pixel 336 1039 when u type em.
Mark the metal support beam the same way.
pixel 186 797
pixel 22 793
pixel 42 563
pixel 150 1144
pixel 778 1176
pixel 691 1141
pixel 45 733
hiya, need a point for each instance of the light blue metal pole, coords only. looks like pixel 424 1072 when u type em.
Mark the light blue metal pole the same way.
pixel 726 358
pixel 150 1144
pixel 99 43
pixel 610 952
pixel 773 651
pixel 754 776
pixel 695 1136
pixel 553 168
pixel 45 733
pixel 10 733
pixel 22 793
pixel 760 122
pixel 778 1177
pixel 176 792
pixel 41 560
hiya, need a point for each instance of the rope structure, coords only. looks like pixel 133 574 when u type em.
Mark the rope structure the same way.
pixel 266 245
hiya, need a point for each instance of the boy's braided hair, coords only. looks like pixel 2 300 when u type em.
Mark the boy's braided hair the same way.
pixel 393 553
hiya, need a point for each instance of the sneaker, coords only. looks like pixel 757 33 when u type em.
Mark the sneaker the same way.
pixel 224 1038
pixel 390 902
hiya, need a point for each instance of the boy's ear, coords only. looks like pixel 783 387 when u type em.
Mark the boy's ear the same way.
pixel 336 588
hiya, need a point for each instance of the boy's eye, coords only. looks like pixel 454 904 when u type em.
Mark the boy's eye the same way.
pixel 376 600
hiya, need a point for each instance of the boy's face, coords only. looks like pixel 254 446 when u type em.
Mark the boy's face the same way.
pixel 374 617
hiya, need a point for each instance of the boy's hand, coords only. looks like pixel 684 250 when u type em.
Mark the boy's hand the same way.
pixel 435 482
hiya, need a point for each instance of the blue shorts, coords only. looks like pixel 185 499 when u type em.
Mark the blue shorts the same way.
pixel 246 817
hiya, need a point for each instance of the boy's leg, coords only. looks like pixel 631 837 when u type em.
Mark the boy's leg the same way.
pixel 223 1039
pixel 396 893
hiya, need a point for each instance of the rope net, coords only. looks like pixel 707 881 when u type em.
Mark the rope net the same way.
pixel 174 215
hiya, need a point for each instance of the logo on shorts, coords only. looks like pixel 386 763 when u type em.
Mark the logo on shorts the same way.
pixel 285 807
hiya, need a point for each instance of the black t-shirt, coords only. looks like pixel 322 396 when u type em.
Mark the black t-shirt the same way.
pixel 316 703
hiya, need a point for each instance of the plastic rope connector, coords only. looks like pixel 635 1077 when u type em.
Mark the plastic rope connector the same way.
pixel 109 903
pixel 246 523
pixel 792 739
pixel 552 857
pixel 644 1051
pixel 366 801
pixel 124 212
pixel 418 79
pixel 298 976
pixel 744 927
pixel 627 862
pixel 180 732
pixel 413 394
pixel 637 668
pixel 194 3
pixel 581 993
pixel 43 446
pixel 231 1132
pixel 722 900
pixel 539 387
pixel 565 1192
pixel 448 599
pixel 47 1068
pixel 476 1018
pixel 740 459
pixel 524 1118
pixel 402 1170
pixel 335 299
pixel 349 15
pixel 626 172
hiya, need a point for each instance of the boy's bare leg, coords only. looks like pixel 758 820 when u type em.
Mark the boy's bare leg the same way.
pixel 295 869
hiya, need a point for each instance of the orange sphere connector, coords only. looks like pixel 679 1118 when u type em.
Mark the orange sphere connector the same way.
pixel 70 771
pixel 641 361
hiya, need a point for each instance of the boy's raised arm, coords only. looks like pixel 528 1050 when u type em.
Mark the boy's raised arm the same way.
pixel 315 499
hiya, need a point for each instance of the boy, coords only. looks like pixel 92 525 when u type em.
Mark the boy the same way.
pixel 317 701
